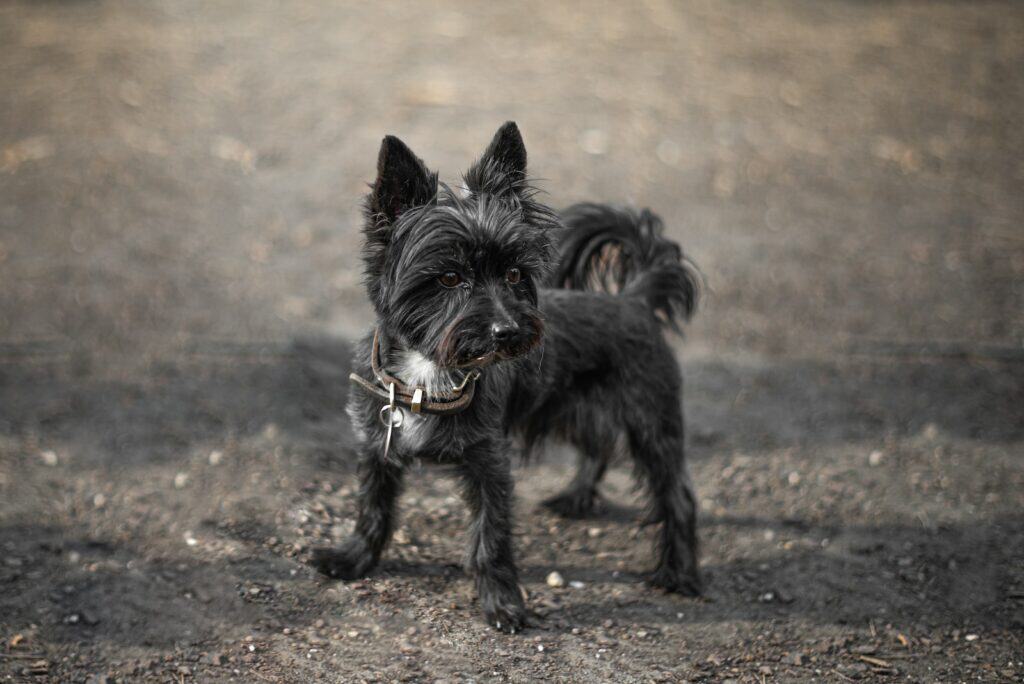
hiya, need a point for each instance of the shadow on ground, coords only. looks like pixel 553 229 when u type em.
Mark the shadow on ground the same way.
pixel 301 387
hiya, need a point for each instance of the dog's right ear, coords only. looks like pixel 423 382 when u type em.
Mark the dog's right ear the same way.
pixel 403 182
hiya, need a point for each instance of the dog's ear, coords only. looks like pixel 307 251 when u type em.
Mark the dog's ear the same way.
pixel 402 181
pixel 507 149
pixel 502 168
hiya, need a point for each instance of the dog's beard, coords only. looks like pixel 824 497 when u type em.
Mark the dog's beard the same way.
pixel 462 345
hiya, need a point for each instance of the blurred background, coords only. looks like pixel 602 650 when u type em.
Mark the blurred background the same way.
pixel 180 189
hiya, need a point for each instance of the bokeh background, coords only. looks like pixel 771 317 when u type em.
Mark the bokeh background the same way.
pixel 180 188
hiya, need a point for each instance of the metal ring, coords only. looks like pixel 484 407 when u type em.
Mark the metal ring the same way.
pixel 395 418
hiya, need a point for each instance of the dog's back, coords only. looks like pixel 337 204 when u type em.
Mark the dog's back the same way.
pixel 617 281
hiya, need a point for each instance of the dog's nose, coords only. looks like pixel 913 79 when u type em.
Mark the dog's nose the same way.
pixel 503 331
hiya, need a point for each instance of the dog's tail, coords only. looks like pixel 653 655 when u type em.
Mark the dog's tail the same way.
pixel 620 251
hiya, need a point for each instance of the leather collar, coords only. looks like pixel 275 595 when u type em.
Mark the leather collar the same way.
pixel 413 397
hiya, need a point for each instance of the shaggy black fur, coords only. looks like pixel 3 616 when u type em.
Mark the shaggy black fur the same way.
pixel 564 317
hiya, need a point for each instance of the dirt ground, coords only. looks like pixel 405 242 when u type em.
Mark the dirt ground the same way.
pixel 179 194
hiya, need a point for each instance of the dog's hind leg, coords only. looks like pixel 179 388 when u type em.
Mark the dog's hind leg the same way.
pixel 579 499
pixel 658 454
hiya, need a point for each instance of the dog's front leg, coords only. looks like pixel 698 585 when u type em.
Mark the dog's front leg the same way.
pixel 380 483
pixel 487 487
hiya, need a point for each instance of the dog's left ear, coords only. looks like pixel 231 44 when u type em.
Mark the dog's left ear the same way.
pixel 502 168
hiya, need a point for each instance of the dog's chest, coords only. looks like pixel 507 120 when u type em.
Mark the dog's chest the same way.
pixel 416 370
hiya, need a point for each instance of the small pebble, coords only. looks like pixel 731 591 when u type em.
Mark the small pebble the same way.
pixel 555 579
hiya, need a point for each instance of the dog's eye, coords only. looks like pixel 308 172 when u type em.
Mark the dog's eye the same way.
pixel 513 276
pixel 450 279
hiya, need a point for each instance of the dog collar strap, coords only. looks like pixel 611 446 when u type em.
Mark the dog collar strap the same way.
pixel 444 404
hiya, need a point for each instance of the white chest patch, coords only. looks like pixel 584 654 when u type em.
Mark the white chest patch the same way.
pixel 415 431
pixel 414 369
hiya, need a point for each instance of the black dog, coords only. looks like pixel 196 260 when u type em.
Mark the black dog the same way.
pixel 498 318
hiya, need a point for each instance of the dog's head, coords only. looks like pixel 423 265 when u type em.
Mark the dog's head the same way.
pixel 455 275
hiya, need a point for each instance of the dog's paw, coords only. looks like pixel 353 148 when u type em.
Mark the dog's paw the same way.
pixel 676 582
pixel 507 619
pixel 350 561
pixel 572 504
pixel 504 610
